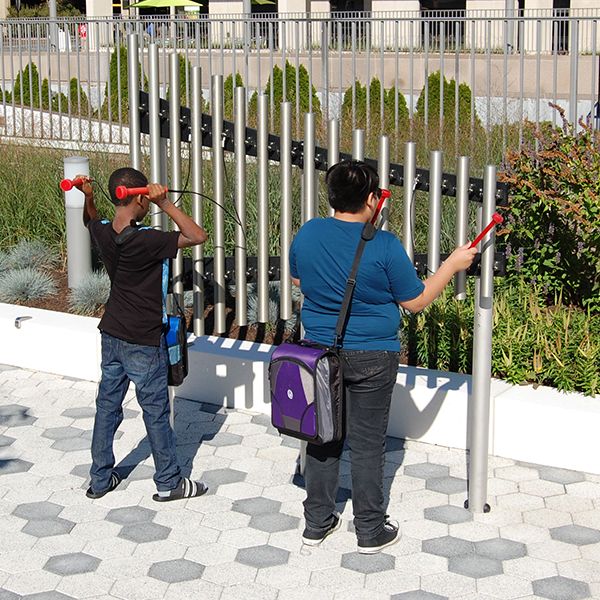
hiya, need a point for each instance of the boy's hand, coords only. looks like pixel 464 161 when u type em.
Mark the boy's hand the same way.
pixel 157 193
pixel 462 257
pixel 86 186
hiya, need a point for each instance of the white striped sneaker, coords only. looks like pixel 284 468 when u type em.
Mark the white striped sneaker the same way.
pixel 186 489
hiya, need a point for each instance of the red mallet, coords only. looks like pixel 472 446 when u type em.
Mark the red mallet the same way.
pixel 66 185
pixel 496 220
pixel 123 192
pixel 385 194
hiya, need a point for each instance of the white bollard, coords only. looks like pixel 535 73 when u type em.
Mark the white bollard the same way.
pixel 79 252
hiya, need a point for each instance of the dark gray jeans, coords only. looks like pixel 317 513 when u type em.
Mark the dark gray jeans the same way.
pixel 369 377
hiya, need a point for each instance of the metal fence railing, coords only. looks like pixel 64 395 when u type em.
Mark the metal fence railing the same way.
pixel 60 79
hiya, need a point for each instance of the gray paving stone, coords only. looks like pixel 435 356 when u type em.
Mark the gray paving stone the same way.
pixel 47 528
pixel 130 514
pixel 262 556
pixel 473 565
pixel 557 475
pixel 87 435
pixel 418 595
pixel 575 534
pixel 176 571
pixel 6 595
pixel 71 444
pixel 222 439
pixel 15 415
pixel 129 413
pixel 144 532
pixel 290 442
pixel 448 546
pixel 264 420
pixel 213 479
pixel 53 595
pixel 501 549
pixel 448 514
pixel 446 485
pixel 256 506
pixel 38 510
pixel 81 471
pixel 9 466
pixel 274 522
pixel 362 563
pixel 6 440
pixel 426 470
pixel 140 473
pixel 72 564
pixel 82 412
pixel 561 588
pixel 62 433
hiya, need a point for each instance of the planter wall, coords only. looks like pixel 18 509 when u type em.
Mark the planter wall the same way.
pixel 534 425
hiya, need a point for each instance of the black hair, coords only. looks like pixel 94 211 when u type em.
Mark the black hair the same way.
pixel 129 177
pixel 349 184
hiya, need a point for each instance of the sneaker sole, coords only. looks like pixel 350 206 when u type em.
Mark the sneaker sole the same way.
pixel 308 542
pixel 377 549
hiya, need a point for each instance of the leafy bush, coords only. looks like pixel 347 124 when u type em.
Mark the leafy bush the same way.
pixel 26 89
pixel 33 254
pixel 274 297
pixel 228 95
pixel 90 294
pixel 63 9
pixel 21 285
pixel 79 102
pixel 532 343
pixel 554 212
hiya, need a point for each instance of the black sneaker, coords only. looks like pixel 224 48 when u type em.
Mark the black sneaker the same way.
pixel 388 536
pixel 314 538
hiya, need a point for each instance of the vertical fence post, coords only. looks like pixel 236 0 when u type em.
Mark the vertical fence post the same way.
pixel 383 167
pixel 79 251
pixel 175 148
pixel 240 206
pixel 134 101
pixel 262 155
pixel 197 212
pixel 216 99
pixel 479 411
pixel 285 282
pixel 156 147
pixel 462 212
pixel 309 205
pixel 358 144
pixel 574 50
pixel 410 181
pixel 333 147
pixel 435 212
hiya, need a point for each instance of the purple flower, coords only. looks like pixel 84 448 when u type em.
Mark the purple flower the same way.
pixel 551 230
pixel 579 249
pixel 508 251
pixel 558 257
pixel 533 280
pixel 536 245
pixel 519 261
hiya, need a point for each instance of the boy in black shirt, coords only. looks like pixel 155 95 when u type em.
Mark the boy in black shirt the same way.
pixel 133 344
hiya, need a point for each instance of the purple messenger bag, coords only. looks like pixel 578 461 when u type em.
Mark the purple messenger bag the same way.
pixel 307 392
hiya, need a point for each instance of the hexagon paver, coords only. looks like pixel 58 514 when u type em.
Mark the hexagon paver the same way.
pixel 53 595
pixel 176 571
pixel 14 465
pixel 73 444
pixel 426 470
pixel 82 412
pixel 6 440
pixel 575 534
pixel 222 438
pixel 418 595
pixel 144 532
pixel 451 515
pixel 560 588
pixel 130 514
pixel 213 479
pixel 15 415
pixel 256 506
pixel 72 564
pixel 6 595
pixel 44 528
pixel 262 556
pixel 38 510
pixel 274 522
pixel 81 471
pixel 557 475
pixel 501 549
pixel 368 564
pixel 448 546
pixel 446 485
pixel 62 433
pixel 473 565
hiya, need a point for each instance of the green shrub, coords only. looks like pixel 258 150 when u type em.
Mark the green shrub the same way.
pixel 26 89
pixel 90 294
pixel 63 9
pixel 33 254
pixel 78 99
pixel 21 285
pixel 228 95
pixel 553 223
pixel 273 304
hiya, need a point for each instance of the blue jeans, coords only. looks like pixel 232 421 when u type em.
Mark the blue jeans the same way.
pixel 146 366
pixel 369 377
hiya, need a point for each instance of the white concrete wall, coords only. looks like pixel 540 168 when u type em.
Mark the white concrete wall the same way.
pixel 4 4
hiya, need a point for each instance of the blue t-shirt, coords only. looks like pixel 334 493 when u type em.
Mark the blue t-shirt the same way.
pixel 321 257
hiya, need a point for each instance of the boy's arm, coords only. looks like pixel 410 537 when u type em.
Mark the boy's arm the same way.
pixel 89 206
pixel 191 234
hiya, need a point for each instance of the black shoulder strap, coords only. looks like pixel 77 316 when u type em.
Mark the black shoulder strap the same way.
pixel 368 233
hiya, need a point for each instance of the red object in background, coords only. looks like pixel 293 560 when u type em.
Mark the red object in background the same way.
pixel 385 194
pixel 122 192
pixel 82 30
pixel 496 220
pixel 66 185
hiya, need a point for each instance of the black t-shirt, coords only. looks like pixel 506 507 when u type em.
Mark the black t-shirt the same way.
pixel 134 311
